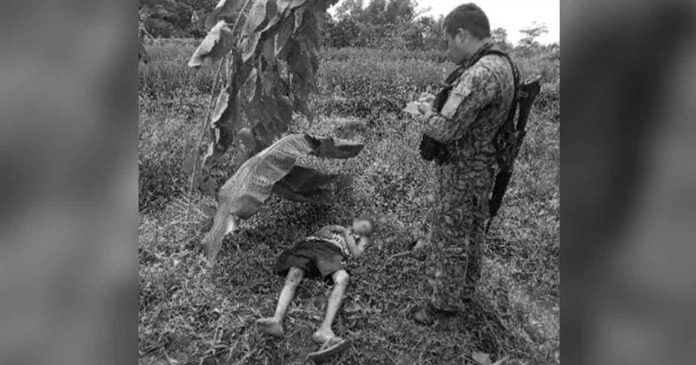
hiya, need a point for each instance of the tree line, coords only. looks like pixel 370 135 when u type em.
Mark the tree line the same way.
pixel 385 24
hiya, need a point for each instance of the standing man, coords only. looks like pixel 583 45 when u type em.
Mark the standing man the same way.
pixel 461 134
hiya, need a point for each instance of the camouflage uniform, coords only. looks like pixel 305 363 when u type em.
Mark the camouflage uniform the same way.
pixel 468 123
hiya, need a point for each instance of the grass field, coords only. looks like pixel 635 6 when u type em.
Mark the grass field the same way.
pixel 190 315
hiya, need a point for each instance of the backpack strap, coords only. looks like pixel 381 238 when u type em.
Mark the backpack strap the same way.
pixel 516 80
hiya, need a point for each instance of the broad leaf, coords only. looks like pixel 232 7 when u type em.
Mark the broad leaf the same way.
pixel 269 81
pixel 216 44
pixel 256 17
pixel 226 119
pixel 268 51
pixel 287 5
pixel 246 136
pixel 249 45
pixel 284 109
pixel 273 16
pixel 283 34
pixel 224 10
pixel 299 14
pixel 246 191
pixel 304 179
pixel 222 109
pixel 250 85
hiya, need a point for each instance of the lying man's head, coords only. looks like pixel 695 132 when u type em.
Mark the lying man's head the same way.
pixel 363 226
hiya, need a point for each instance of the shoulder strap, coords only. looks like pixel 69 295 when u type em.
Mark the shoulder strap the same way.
pixel 515 76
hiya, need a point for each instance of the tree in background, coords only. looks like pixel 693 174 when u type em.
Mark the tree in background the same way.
pixel 172 18
pixel 349 9
pixel 531 33
pixel 385 24
pixel 499 37
pixel 342 33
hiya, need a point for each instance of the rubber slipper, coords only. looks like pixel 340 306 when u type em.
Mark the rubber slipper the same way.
pixel 331 347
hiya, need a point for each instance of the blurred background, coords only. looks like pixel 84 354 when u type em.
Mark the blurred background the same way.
pixel 628 182
pixel 68 231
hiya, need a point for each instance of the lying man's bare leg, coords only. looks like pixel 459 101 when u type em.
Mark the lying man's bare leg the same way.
pixel 274 326
pixel 324 333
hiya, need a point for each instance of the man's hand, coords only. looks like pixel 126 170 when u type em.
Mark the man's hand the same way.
pixel 426 98
pixel 425 108
pixel 425 102
pixel 422 107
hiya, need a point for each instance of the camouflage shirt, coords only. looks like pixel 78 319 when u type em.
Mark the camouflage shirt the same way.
pixel 476 108
pixel 468 122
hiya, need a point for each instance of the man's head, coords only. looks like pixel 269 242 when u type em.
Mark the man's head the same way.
pixel 466 29
pixel 363 226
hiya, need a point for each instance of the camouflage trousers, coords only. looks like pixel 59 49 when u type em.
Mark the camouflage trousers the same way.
pixel 453 261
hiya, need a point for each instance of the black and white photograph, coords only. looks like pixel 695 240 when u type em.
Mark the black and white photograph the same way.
pixel 349 182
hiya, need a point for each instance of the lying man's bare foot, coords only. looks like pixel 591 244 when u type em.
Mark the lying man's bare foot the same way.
pixel 270 326
pixel 322 336
pixel 330 344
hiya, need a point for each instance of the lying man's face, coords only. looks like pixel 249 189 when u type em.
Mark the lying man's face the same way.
pixel 362 227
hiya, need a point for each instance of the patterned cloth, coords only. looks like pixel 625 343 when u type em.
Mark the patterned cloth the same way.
pixel 468 124
pixel 334 238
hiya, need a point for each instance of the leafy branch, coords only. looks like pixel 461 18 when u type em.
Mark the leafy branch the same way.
pixel 273 49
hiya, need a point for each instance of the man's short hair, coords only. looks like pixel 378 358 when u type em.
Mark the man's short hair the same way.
pixel 469 17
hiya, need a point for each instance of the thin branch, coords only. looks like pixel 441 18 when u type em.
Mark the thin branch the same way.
pixel 197 147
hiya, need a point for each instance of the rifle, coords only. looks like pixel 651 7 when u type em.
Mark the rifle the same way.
pixel 528 91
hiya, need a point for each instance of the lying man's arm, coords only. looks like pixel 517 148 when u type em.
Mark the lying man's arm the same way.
pixel 356 250
pixel 333 229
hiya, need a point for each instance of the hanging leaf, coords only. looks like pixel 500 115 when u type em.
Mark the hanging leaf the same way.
pixel 249 87
pixel 283 35
pixel 299 14
pixel 226 118
pixel 225 121
pixel 300 64
pixel 262 136
pixel 285 109
pixel 302 179
pixel 246 191
pixel 249 45
pixel 216 44
pixel 273 16
pixel 224 10
pixel 246 136
pixel 287 5
pixel 222 109
pixel 268 51
pixel 283 72
pixel 308 29
pixel 255 18
pixel 269 81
